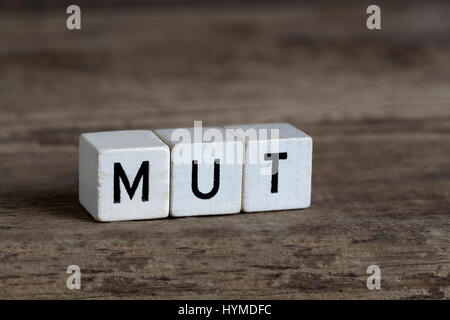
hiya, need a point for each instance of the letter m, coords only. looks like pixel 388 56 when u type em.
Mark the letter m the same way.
pixel 243 310
pixel 142 174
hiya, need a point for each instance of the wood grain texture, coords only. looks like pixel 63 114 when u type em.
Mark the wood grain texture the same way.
pixel 377 105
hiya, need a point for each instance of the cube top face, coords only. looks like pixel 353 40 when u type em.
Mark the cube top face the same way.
pixel 265 131
pixel 203 146
pixel 123 140
pixel 124 175
pixel 206 177
pixel 277 171
pixel 176 136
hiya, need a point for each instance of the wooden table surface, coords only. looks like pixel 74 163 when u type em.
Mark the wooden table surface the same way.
pixel 377 104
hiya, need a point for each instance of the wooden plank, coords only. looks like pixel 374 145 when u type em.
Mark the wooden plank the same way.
pixel 376 105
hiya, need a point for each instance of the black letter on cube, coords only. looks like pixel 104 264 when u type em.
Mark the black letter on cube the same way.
pixel 119 174
pixel 275 157
pixel 216 185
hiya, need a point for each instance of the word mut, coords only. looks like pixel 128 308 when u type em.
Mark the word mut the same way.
pixel 144 174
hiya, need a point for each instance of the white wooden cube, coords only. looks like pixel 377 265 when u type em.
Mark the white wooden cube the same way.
pixel 278 164
pixel 124 175
pixel 203 180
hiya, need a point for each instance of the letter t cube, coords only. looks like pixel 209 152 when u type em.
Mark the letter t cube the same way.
pixel 124 175
pixel 278 164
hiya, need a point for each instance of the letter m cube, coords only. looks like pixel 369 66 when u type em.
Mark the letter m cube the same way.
pixel 124 175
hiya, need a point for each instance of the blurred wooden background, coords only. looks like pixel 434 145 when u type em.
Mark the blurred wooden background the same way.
pixel 377 104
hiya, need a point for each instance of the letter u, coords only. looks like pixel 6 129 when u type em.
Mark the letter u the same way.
pixel 216 184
